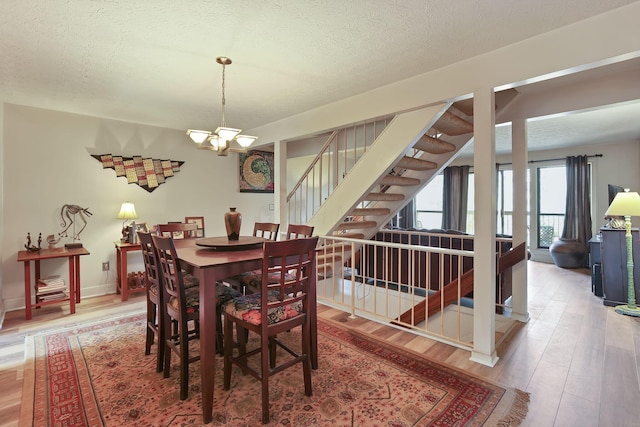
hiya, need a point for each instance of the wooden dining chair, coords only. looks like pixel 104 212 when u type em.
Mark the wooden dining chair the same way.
pixel 286 306
pixel 299 231
pixel 155 309
pixel 268 230
pixel 182 303
pixel 249 281
pixel 178 230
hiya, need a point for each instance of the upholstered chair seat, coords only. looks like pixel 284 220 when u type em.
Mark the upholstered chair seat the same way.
pixel 247 308
pixel 192 297
pixel 251 280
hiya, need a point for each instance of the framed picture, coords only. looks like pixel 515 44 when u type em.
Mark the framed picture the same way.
pixel 256 172
pixel 132 235
pixel 199 220
pixel 140 226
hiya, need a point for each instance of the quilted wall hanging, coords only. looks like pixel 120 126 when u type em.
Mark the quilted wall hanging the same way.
pixel 147 173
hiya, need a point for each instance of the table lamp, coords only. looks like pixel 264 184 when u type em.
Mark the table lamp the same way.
pixel 627 204
pixel 127 212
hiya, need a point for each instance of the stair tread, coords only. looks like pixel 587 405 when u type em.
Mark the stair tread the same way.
pixel 384 197
pixel 370 211
pixel 416 164
pixel 356 224
pixel 433 145
pixel 350 235
pixel 399 180
pixel 453 125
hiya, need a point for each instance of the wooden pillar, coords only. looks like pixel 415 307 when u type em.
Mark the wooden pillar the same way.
pixel 280 184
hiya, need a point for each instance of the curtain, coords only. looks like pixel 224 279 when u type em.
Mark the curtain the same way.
pixel 577 220
pixel 406 217
pixel 455 190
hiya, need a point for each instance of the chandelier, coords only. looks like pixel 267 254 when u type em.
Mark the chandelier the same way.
pixel 222 137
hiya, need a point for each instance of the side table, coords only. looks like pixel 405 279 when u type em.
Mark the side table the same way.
pixel 122 249
pixel 73 258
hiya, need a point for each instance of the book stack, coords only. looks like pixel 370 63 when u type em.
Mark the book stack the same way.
pixel 51 288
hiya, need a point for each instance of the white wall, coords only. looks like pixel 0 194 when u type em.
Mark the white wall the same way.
pixel 47 163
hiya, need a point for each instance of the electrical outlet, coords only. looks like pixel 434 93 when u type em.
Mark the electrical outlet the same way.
pixel 105 266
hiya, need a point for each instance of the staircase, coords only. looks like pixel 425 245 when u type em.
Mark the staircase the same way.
pixel 381 178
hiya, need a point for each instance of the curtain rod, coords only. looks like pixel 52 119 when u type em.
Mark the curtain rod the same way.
pixel 563 158
pixel 552 160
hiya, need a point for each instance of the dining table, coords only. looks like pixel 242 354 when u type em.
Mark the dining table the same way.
pixel 214 259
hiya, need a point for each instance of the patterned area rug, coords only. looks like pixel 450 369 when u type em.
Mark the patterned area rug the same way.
pixel 97 375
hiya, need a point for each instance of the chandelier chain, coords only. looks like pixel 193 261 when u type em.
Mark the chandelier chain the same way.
pixel 222 123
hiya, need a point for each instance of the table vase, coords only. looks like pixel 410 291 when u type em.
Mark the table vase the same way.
pixel 232 222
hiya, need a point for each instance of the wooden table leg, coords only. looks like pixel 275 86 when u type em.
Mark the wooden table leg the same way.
pixel 122 275
pixel 208 336
pixel 118 268
pixel 77 276
pixel 72 285
pixel 36 270
pixel 27 289
pixel 313 318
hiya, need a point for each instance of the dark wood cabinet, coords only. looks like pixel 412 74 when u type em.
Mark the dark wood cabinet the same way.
pixel 614 265
pixel 595 264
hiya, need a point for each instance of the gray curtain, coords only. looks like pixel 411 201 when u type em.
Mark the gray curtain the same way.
pixel 454 198
pixel 577 220
pixel 406 217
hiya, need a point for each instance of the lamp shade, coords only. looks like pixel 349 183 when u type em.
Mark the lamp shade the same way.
pixel 625 204
pixel 198 136
pixel 127 211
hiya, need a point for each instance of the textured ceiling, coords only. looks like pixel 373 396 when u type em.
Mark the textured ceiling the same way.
pixel 153 61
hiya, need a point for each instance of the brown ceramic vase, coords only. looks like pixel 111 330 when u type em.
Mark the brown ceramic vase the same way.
pixel 232 222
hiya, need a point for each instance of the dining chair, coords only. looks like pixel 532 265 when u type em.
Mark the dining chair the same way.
pixel 154 330
pixel 182 321
pixel 297 231
pixel 178 230
pixel 268 230
pixel 285 307
pixel 249 281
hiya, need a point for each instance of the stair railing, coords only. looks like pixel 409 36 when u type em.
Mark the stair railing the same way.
pixel 342 149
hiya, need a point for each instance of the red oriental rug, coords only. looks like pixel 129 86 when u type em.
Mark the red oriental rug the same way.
pixel 97 375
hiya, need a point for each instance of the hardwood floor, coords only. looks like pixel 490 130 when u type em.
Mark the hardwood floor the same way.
pixel 577 358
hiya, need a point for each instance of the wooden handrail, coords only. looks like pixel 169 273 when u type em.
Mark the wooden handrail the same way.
pixel 432 304
pixel 313 164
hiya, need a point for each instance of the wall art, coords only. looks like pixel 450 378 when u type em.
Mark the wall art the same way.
pixel 256 172
pixel 199 220
pixel 148 173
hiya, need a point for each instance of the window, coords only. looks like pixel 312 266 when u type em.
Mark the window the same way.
pixel 429 204
pixel 552 195
pixel 547 222
pixel 505 202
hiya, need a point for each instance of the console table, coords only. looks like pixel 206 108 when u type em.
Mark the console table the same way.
pixel 73 258
pixel 122 249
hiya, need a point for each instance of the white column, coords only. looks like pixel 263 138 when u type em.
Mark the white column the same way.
pixel 2 191
pixel 484 264
pixel 519 150
pixel 280 184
